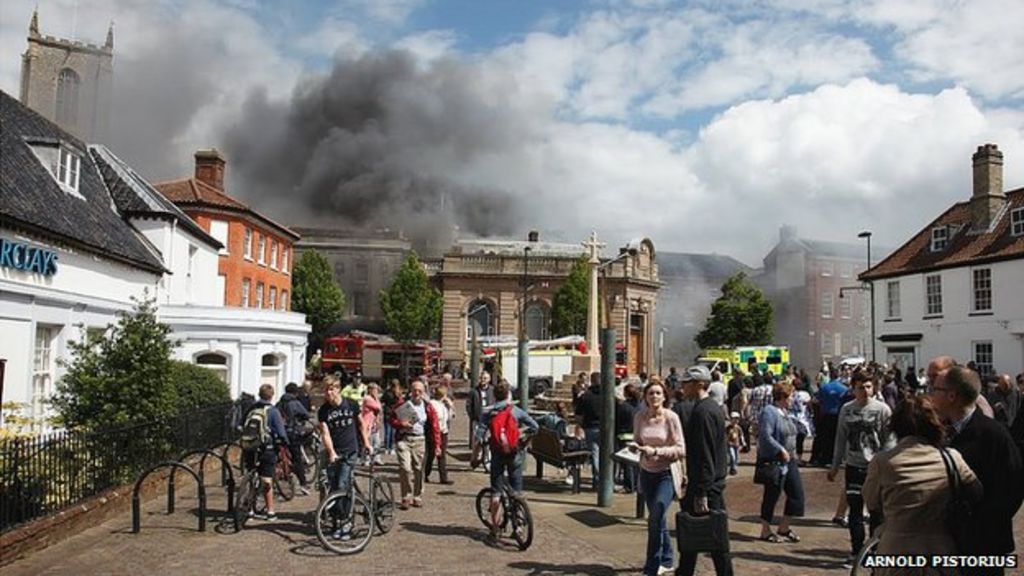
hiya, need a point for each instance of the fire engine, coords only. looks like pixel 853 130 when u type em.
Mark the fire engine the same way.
pixel 378 357
pixel 550 360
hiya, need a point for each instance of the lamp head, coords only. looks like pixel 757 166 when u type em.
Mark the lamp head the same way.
pixel 864 234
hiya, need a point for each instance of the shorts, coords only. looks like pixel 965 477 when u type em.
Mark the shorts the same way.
pixel 267 461
pixel 512 466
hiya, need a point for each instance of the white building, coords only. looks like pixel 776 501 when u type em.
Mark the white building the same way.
pixel 957 287
pixel 80 236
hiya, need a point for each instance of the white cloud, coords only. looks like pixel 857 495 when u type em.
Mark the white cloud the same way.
pixel 392 12
pixel 333 36
pixel 429 46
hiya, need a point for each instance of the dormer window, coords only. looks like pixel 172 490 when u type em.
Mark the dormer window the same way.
pixel 940 238
pixel 1017 222
pixel 68 168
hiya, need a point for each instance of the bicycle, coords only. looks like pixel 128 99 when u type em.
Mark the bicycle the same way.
pixel 311 450
pixel 515 513
pixel 285 481
pixel 869 548
pixel 352 533
pixel 249 500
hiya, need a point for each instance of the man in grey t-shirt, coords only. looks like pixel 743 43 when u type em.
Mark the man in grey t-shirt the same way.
pixel 863 431
pixel 717 389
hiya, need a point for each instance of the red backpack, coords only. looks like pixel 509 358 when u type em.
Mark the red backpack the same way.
pixel 505 432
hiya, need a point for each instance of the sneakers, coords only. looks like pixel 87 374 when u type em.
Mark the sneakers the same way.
pixel 378 460
pixel 664 570
pixel 417 503
pixel 270 517
pixel 568 480
pixel 344 534
pixel 838 521
pixel 404 504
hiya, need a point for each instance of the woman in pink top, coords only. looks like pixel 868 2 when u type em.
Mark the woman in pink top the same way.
pixel 659 439
pixel 370 414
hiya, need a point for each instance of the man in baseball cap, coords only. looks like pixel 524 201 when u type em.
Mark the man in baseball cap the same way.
pixel 707 462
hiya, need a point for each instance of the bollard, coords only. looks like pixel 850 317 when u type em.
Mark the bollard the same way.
pixel 605 492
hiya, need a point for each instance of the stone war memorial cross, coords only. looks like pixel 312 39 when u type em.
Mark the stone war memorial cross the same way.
pixel 591 361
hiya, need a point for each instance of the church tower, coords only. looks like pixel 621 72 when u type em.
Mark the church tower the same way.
pixel 69 81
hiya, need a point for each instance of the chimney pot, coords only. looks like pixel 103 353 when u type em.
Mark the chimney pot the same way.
pixel 988 198
pixel 533 236
pixel 210 168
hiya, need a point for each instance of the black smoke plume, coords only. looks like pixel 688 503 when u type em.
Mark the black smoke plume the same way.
pixel 378 142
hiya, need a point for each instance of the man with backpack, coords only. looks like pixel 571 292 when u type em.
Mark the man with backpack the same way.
pixel 299 426
pixel 503 420
pixel 263 428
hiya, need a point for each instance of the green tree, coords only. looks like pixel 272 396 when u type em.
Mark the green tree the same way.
pixel 121 375
pixel 569 306
pixel 196 387
pixel 741 316
pixel 411 306
pixel 316 293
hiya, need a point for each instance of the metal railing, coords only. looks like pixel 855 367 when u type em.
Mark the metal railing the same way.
pixel 45 474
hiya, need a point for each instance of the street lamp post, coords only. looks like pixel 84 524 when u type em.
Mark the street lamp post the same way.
pixel 871 288
pixel 523 364
pixel 661 350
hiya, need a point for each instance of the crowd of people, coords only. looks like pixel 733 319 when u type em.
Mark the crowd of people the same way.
pixel 900 441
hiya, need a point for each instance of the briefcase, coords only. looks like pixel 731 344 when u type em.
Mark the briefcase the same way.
pixel 705 533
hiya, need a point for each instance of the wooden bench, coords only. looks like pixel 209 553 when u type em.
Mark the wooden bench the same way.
pixel 547 448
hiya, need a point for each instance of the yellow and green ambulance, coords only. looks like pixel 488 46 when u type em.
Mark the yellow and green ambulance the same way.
pixel 773 358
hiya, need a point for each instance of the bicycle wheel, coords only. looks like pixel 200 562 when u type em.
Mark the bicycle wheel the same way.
pixel 383 497
pixel 311 458
pixel 483 506
pixel 249 500
pixel 285 483
pixel 522 522
pixel 344 535
pixel 868 549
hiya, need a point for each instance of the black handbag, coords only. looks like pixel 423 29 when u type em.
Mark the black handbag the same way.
pixel 959 514
pixel 768 473
pixel 704 533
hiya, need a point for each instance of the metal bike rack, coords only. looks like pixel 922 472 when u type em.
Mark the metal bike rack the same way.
pixel 225 472
pixel 174 465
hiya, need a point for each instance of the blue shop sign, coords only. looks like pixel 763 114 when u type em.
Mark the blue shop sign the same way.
pixel 28 258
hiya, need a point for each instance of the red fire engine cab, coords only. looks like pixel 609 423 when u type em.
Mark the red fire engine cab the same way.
pixel 378 357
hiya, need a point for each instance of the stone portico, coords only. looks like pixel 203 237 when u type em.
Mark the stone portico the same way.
pixel 482 282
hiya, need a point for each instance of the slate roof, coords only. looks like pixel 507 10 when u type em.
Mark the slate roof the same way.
pixel 966 248
pixel 31 198
pixel 682 265
pixel 193 193
pixel 136 197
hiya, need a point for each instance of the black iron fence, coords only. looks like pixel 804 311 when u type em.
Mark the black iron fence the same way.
pixel 44 474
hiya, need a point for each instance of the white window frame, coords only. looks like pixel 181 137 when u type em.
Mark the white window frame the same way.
pixel 284 259
pixel 829 309
pixel 284 301
pixel 220 230
pixel 259 294
pixel 246 288
pixel 247 252
pixel 272 301
pixel 1017 221
pixel 940 238
pixel 846 307
pixel 827 268
pixel 846 270
pixel 69 168
pixel 273 254
pixel 261 243
pixel 892 304
pixel 42 370
pixel 826 343
pixel 933 301
pixel 985 368
pixel 981 290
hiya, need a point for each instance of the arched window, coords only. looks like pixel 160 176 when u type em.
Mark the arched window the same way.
pixel 480 315
pixel 68 83
pixel 270 372
pixel 216 362
pixel 538 318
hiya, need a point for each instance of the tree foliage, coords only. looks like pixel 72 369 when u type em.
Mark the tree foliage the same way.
pixel 316 293
pixel 569 306
pixel 122 375
pixel 197 387
pixel 411 306
pixel 741 316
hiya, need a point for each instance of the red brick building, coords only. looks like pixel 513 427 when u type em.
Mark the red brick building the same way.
pixel 255 265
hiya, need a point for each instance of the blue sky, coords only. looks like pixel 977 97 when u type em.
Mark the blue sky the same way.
pixel 637 118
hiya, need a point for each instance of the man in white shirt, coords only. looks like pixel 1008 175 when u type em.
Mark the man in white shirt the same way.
pixel 445 415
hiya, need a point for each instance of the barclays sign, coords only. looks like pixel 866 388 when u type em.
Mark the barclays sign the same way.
pixel 27 258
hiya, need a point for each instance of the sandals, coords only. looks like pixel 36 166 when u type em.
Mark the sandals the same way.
pixel 789 536
pixel 771 537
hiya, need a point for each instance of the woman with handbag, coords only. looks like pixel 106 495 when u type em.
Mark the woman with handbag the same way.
pixel 658 436
pixel 909 486
pixel 777 467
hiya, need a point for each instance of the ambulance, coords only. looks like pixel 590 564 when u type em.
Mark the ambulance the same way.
pixel 768 358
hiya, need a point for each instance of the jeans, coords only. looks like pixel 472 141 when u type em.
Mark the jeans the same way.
pixel 339 476
pixel 658 495
pixel 854 482
pixel 389 436
pixel 593 439
pixel 734 459
pixel 511 467
pixel 794 489
pixel 722 560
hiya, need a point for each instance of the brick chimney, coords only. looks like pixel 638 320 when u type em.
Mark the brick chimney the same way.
pixel 210 168
pixel 988 198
